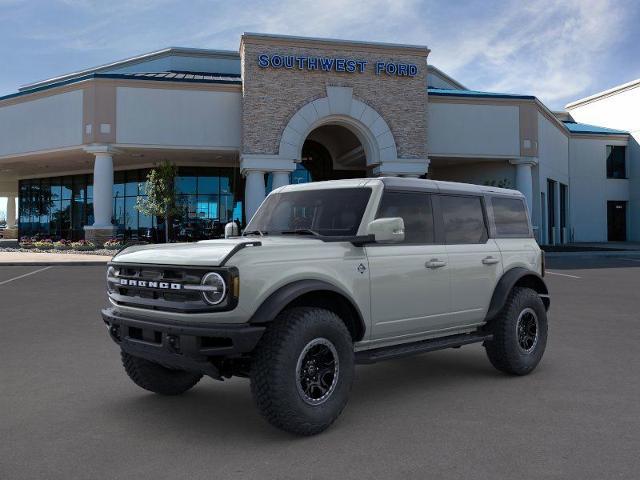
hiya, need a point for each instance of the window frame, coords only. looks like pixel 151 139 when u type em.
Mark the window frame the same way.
pixel 625 164
pixel 436 230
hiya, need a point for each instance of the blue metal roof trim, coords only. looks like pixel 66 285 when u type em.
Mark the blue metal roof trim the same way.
pixel 444 92
pixel 226 79
pixel 585 128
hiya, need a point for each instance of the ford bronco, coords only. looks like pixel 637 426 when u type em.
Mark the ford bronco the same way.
pixel 328 275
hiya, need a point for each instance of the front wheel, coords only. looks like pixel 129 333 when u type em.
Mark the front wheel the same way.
pixel 302 370
pixel 519 333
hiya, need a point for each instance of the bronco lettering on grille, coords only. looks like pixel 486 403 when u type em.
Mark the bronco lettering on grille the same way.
pixel 148 284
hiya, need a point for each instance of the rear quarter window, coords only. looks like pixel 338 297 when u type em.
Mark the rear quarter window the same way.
pixel 510 217
pixel 463 219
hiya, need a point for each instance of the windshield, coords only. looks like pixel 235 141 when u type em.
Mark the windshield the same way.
pixel 327 212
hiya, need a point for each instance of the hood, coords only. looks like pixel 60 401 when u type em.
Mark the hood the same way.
pixel 205 253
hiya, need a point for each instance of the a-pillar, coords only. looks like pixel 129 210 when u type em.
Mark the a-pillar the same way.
pixel 254 167
pixel 524 178
pixel 102 228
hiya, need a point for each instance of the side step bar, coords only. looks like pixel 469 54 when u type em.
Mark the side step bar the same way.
pixel 423 346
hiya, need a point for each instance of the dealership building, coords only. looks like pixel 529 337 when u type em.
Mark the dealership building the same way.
pixel 75 149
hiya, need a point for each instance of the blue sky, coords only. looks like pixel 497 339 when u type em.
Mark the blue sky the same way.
pixel 556 50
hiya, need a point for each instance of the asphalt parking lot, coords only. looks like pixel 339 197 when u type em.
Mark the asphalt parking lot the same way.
pixel 68 411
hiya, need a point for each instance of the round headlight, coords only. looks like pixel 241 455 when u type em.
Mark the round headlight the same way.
pixel 111 273
pixel 216 288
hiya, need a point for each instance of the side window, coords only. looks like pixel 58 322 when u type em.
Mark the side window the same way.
pixel 463 219
pixel 415 210
pixel 510 217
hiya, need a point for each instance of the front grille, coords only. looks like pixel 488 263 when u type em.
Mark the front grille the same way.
pixel 183 299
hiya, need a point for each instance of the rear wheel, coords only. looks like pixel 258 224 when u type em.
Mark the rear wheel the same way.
pixel 519 333
pixel 156 378
pixel 303 370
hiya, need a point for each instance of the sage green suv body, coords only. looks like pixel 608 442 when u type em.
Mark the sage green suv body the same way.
pixel 327 275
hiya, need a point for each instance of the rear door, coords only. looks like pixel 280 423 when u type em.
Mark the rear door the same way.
pixel 475 262
pixel 410 280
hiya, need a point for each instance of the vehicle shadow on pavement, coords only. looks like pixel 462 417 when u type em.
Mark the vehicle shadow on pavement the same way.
pixel 226 410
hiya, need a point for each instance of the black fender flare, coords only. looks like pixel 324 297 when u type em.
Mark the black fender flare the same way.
pixel 509 279
pixel 286 294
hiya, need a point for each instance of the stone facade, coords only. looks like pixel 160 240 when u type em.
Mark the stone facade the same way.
pixel 271 96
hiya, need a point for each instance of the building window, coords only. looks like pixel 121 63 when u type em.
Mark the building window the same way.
pixel 60 207
pixel 616 161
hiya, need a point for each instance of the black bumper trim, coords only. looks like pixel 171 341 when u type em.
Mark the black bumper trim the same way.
pixel 181 346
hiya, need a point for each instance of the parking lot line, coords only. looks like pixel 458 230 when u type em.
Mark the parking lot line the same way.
pixel 25 275
pixel 562 274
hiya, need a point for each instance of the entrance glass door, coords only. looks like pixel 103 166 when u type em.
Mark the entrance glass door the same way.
pixel 617 221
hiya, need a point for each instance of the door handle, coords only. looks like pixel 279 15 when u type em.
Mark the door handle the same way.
pixel 490 260
pixel 435 263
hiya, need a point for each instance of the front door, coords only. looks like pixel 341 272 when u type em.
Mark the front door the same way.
pixel 617 221
pixel 410 292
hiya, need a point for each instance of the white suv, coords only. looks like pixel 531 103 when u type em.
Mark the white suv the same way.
pixel 327 275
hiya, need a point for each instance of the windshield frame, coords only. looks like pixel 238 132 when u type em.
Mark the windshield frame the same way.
pixel 263 217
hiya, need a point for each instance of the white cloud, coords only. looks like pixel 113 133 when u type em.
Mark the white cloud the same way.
pixel 546 48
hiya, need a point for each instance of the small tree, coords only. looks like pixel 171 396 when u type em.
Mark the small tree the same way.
pixel 161 198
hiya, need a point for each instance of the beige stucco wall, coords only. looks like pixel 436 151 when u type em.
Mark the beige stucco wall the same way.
pixel 272 96
pixel 178 117
pixel 54 121
pixel 468 129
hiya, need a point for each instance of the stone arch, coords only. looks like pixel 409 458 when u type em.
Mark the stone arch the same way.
pixel 340 108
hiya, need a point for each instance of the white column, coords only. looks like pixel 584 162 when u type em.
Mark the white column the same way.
pixel 103 190
pixel 253 166
pixel 11 212
pixel 254 191
pixel 280 179
pixel 524 179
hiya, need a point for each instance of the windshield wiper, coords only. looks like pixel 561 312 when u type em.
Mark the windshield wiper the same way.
pixel 255 232
pixel 301 231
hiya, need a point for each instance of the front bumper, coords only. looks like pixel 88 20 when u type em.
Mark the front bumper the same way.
pixel 174 344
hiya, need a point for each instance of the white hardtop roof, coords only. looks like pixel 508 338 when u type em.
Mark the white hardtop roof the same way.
pixel 399 182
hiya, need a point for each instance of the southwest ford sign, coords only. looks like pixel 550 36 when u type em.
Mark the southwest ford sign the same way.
pixel 335 64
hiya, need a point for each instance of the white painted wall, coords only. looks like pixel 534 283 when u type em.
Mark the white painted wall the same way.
pixel 553 163
pixel 463 129
pixel 590 189
pixel 168 117
pixel 42 124
pixel 620 111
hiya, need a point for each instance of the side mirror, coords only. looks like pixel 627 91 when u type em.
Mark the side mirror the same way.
pixel 387 230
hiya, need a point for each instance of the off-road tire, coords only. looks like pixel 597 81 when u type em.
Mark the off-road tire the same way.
pixel 156 378
pixel 504 351
pixel 274 375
